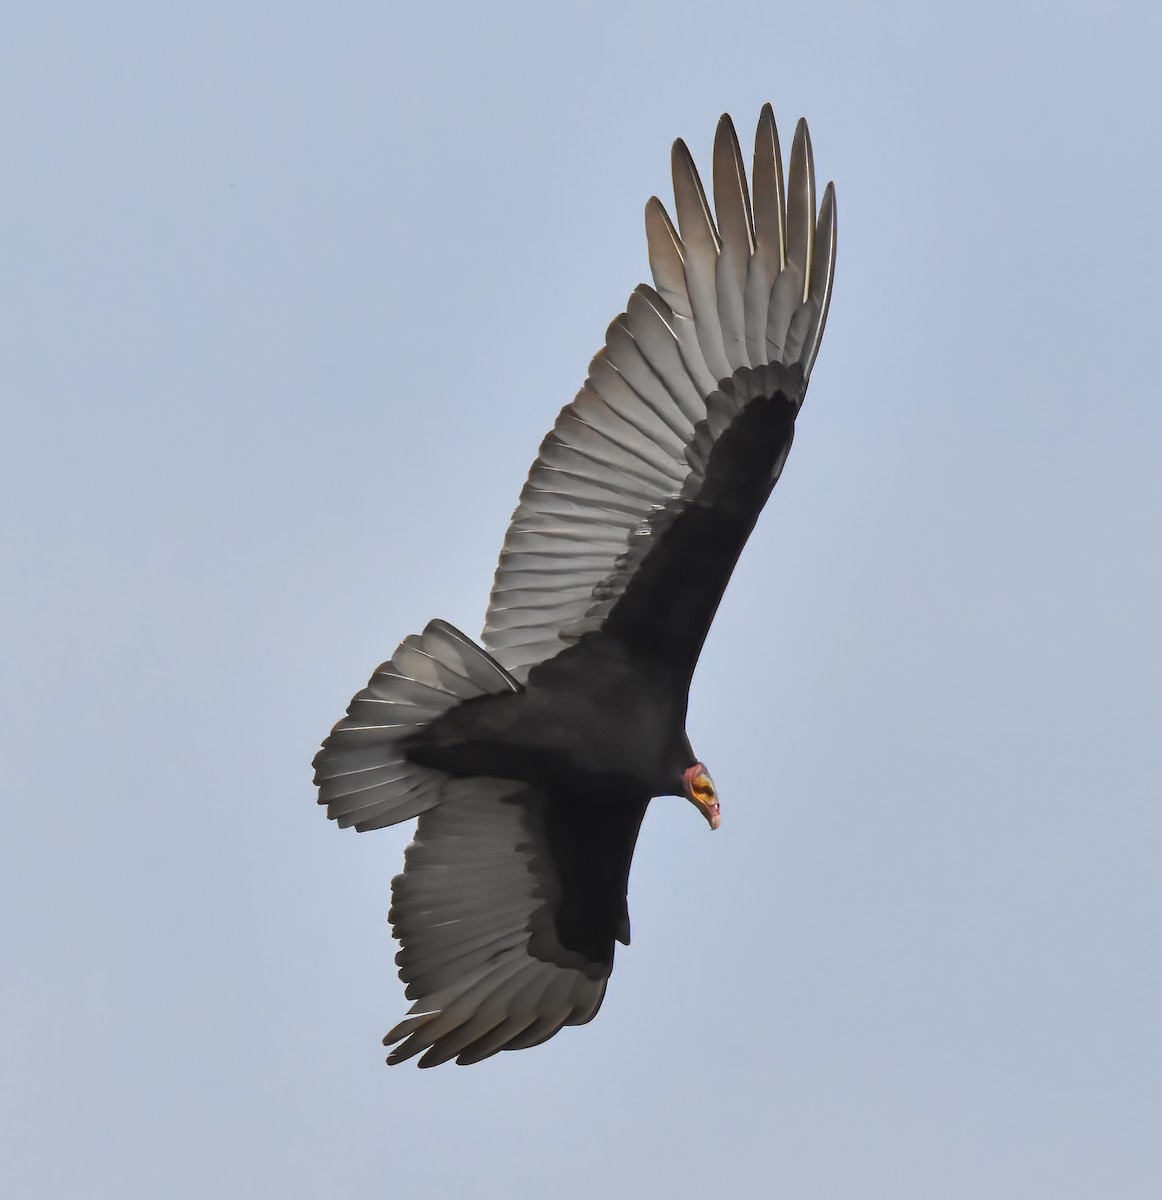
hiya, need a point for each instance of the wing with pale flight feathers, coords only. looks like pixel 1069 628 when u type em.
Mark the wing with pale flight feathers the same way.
pixel 737 315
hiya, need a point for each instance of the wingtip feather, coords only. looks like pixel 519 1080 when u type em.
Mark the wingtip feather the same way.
pixel 801 203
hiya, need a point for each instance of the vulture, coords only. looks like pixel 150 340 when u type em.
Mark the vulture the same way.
pixel 530 758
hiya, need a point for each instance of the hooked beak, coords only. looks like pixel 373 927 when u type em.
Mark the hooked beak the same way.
pixel 700 791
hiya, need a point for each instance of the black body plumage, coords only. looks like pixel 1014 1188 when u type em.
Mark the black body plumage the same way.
pixel 530 761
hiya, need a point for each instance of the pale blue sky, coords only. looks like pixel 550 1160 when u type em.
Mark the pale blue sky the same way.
pixel 290 295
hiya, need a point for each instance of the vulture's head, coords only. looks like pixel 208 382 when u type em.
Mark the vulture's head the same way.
pixel 700 791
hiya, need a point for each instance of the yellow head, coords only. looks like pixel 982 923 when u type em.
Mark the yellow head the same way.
pixel 700 791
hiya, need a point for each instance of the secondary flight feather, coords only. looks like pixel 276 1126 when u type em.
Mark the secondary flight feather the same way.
pixel 530 760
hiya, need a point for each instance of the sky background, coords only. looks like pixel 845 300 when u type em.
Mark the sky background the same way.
pixel 290 294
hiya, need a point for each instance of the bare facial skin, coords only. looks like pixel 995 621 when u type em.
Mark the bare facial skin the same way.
pixel 701 792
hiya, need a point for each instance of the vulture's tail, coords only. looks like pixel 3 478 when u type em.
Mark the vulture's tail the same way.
pixel 363 776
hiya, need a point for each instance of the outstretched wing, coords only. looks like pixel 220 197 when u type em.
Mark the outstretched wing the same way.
pixel 660 443
pixel 507 911
pixel 511 900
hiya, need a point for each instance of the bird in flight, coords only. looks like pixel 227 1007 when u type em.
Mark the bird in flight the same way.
pixel 530 759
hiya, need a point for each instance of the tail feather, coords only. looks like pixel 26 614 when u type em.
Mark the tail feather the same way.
pixel 362 772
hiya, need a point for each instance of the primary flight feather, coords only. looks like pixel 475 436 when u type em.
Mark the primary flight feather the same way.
pixel 530 761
